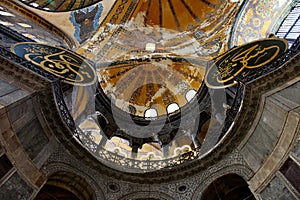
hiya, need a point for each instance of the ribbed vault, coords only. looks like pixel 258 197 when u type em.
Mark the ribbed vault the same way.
pixel 178 15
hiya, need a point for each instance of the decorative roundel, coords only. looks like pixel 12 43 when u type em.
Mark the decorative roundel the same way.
pixel 240 61
pixel 182 189
pixel 113 187
pixel 58 61
pixel 59 5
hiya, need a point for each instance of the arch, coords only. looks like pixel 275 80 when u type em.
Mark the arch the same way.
pixel 228 187
pixel 222 169
pixel 66 185
pixel 56 169
pixel 147 195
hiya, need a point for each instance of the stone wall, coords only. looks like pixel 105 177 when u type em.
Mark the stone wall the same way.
pixel 273 140
pixel 24 142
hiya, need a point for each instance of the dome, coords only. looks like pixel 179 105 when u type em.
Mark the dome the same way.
pixel 150 80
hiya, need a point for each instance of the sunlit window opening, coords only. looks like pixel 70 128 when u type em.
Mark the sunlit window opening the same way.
pixel 24 25
pixel 6 14
pixel 150 113
pixel 190 95
pixel 35 5
pixel 290 28
pixel 172 108
pixel 6 23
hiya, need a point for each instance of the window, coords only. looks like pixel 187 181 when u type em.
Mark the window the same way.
pixel 190 95
pixel 172 108
pixel 151 113
pixel 291 172
pixel 3 13
pixel 5 165
pixel 290 27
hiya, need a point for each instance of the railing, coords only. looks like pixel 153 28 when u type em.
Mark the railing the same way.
pixel 26 65
pixel 133 165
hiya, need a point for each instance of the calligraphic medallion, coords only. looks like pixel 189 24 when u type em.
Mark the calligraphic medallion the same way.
pixel 60 62
pixel 240 61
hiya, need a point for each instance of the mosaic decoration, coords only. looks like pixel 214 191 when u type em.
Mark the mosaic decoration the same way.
pixel 86 21
pixel 240 61
pixel 257 20
pixel 184 15
pixel 132 24
pixel 59 5
pixel 58 61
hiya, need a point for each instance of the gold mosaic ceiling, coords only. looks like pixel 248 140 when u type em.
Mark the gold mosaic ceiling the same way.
pixel 183 27
pixel 155 83
pixel 178 15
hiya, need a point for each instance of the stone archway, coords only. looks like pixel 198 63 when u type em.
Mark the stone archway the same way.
pixel 66 185
pixel 228 187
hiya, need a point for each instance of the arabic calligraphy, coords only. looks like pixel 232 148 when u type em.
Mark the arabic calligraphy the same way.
pixel 58 61
pixel 240 61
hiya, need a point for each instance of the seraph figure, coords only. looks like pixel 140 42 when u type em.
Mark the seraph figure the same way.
pixel 86 21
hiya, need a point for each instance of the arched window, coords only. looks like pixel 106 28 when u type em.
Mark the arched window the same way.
pixel 190 95
pixel 172 108
pixel 289 29
pixel 66 185
pixel 151 113
pixel 8 14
